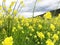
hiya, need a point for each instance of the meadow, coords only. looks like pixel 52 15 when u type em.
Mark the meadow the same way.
pixel 18 30
pixel 30 31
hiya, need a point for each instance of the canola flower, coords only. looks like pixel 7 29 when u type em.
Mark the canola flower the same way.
pixel 8 41
pixel 48 34
pixel 30 27
pixel 48 15
pixel 55 37
pixel 19 27
pixel 27 24
pixel 40 35
pixel 22 3
pixel 9 10
pixel 52 27
pixel 40 26
pixel 59 14
pixel 12 4
pixel 49 42
pixel 14 29
pixel 16 19
pixel 58 32
pixel 15 12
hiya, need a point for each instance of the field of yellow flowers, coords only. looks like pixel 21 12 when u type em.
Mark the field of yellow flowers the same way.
pixel 30 31
pixel 17 30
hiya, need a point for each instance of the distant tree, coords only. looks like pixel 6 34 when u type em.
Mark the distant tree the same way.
pixel 55 12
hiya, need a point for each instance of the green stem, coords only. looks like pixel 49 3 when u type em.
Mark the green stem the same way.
pixel 18 7
pixel 34 8
pixel 14 7
pixel 4 8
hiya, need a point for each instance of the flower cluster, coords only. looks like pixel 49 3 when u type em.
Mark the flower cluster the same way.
pixel 38 30
pixel 8 41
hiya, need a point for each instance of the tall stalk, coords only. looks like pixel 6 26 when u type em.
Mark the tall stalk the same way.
pixel 18 7
pixel 14 7
pixel 3 3
pixel 34 8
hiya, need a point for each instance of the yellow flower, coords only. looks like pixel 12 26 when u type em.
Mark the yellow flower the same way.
pixel 40 35
pixel 9 10
pixel 19 26
pixel 48 33
pixel 56 18
pixel 32 30
pixel 49 42
pixel 58 32
pixel 30 27
pixel 8 41
pixel 21 1
pixel 52 27
pixel 12 4
pixel 14 29
pixel 59 15
pixel 34 21
pixel 27 24
pixel 48 15
pixel 16 19
pixel 15 12
pixel 55 37
pixel 40 26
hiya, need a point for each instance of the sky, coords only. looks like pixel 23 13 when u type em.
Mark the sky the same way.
pixel 41 7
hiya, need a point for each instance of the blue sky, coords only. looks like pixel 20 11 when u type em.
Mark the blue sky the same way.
pixel 41 7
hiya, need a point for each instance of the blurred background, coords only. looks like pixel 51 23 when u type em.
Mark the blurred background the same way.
pixel 41 7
